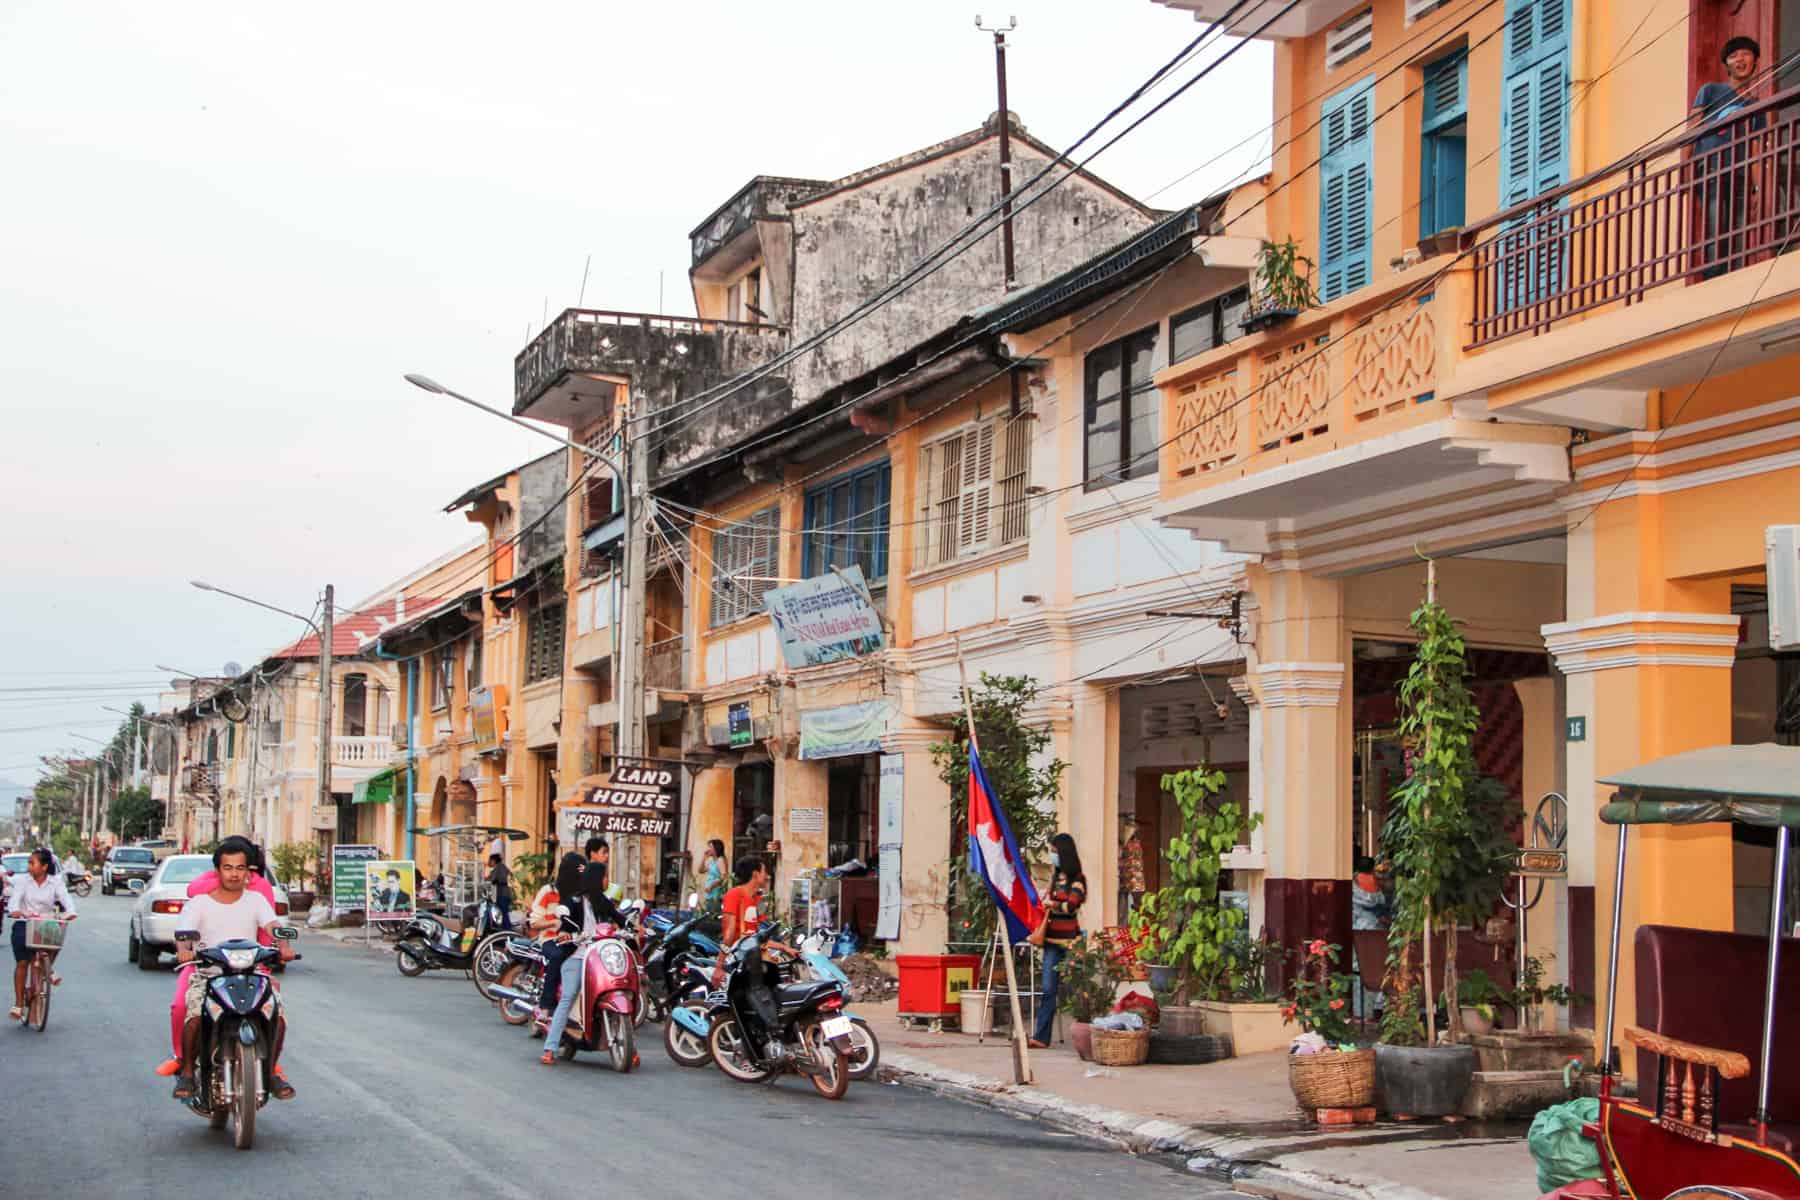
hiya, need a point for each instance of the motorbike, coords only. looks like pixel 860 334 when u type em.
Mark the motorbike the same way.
pixel 523 975
pixel 607 999
pixel 237 1032
pixel 668 943
pixel 428 944
pixel 686 1032
pixel 810 1036
pixel 865 1047
pixel 79 882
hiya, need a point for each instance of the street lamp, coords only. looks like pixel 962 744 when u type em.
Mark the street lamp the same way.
pixel 324 635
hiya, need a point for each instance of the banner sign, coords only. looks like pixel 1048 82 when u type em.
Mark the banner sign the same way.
pixel 485 713
pixel 892 802
pixel 585 821
pixel 845 730
pixel 348 875
pixel 636 785
pixel 824 619
pixel 392 884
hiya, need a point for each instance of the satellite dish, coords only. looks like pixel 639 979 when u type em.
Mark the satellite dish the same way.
pixel 231 670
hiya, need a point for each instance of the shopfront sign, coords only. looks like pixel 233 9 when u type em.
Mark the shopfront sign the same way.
pixel 487 717
pixel 825 619
pixel 845 730
pixel 324 816
pixel 738 724
pixel 626 802
pixel 349 869
pixel 585 822
pixel 806 820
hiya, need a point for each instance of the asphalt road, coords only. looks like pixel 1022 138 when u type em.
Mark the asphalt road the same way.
pixel 414 1086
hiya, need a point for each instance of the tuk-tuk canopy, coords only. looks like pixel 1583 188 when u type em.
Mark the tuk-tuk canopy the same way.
pixel 1748 785
pixel 478 832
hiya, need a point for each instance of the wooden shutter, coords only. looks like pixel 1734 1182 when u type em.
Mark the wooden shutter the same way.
pixel 1443 166
pixel 764 558
pixel 1418 8
pixel 975 507
pixel 947 491
pixel 1011 477
pixel 1346 191
pixel 1534 138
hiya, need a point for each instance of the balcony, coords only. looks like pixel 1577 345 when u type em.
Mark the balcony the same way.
pixel 1278 23
pixel 570 372
pixel 662 665
pixel 1283 442
pixel 370 752
pixel 200 779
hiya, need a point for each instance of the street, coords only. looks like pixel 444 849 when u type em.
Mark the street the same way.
pixel 416 1085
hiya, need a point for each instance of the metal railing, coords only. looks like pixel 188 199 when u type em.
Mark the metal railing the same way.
pixel 1716 198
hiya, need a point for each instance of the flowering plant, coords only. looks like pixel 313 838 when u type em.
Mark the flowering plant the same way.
pixel 1318 997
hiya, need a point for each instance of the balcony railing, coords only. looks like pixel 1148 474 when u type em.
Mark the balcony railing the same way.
pixel 662 665
pixel 582 339
pixel 201 779
pixel 359 751
pixel 1674 213
pixel 1329 378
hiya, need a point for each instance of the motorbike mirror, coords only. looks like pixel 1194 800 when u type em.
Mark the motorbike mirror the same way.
pixel 137 886
pixel 284 933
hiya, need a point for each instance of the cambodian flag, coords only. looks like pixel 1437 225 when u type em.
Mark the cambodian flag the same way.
pixel 994 855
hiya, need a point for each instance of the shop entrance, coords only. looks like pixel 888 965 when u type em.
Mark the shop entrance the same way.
pixel 752 808
pixel 850 814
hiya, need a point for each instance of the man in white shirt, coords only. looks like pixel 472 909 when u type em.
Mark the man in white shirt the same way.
pixel 37 893
pixel 229 913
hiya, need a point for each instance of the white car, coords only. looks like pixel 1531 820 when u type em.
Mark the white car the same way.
pixel 156 914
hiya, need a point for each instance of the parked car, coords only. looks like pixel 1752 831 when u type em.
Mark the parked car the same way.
pixel 160 847
pixel 157 914
pixel 123 865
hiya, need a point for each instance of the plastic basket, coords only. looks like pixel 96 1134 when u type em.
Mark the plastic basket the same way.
pixel 44 933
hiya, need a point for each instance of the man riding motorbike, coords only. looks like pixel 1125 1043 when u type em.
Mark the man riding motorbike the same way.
pixel 229 913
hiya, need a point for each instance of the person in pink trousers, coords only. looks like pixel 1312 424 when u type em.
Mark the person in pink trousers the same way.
pixel 202 885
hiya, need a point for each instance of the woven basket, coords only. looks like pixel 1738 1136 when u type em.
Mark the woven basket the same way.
pixel 1333 1078
pixel 1121 1047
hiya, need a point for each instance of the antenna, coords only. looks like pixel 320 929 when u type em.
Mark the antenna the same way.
pixel 582 296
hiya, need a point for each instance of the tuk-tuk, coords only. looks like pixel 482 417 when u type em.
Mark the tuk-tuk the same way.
pixel 1717 1112
pixel 462 859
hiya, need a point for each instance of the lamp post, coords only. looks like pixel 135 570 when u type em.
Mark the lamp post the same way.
pixel 628 739
pixel 323 631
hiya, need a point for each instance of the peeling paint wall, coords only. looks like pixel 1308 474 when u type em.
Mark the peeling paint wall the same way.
pixel 541 485
pixel 851 243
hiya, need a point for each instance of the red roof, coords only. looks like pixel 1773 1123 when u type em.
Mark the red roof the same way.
pixel 352 632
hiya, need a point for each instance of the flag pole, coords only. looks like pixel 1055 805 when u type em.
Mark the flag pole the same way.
pixel 1021 1052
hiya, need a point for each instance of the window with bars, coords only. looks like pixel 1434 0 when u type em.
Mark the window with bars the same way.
pixel 443 678
pixel 544 641
pixel 1123 410
pixel 846 522
pixel 972 490
pixel 1214 323
pixel 745 559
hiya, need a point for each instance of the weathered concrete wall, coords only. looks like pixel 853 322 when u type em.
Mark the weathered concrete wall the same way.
pixel 541 485
pixel 852 242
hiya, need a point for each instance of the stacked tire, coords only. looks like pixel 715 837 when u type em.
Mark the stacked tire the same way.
pixel 1185 1049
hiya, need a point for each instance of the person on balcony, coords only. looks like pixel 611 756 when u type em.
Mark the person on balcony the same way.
pixel 1726 186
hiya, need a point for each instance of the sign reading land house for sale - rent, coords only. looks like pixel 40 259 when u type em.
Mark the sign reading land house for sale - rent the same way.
pixel 825 619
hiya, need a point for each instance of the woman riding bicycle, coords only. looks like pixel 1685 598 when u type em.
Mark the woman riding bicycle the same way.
pixel 37 894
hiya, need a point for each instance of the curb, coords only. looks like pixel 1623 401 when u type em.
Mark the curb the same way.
pixel 1223 1155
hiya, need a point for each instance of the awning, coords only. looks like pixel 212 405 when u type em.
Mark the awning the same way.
pixel 376 789
pixel 1748 785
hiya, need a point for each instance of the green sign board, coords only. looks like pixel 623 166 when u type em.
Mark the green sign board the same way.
pixel 1576 729
pixel 349 875
pixel 737 719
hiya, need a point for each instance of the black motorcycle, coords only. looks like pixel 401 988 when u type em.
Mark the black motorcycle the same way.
pixel 78 881
pixel 237 1033
pixel 665 948
pixel 520 981
pixel 809 1035
pixel 428 944
pixel 688 1025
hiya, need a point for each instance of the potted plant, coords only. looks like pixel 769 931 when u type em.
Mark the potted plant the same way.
pixel 1184 925
pixel 293 863
pixel 1326 1067
pixel 1281 288
pixel 1444 836
pixel 1477 998
pixel 1532 994
pixel 1087 980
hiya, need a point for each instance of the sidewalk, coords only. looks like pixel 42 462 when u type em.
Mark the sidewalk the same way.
pixel 1232 1120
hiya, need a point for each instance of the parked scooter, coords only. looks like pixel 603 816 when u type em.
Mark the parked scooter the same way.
pixel 608 997
pixel 667 944
pixel 523 975
pixel 809 1036
pixel 865 1048
pixel 428 944
pixel 688 1029
pixel 237 1032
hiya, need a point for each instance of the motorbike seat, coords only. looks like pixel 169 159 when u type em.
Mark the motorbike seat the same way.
pixel 523 946
pixel 799 995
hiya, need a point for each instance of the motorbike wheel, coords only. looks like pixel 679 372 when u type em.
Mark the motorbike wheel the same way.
pixel 727 1043
pixel 243 1106
pixel 83 888
pixel 517 1012
pixel 621 1041
pixel 687 1048
pixel 489 962
pixel 410 958
pixel 833 1077
pixel 865 1051
pixel 640 1008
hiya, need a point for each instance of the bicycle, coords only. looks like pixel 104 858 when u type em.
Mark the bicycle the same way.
pixel 37 968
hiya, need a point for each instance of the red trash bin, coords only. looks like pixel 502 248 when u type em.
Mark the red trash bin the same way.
pixel 931 985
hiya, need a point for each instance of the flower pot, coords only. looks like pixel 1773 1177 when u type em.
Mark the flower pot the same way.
pixel 1423 1081
pixel 299 902
pixel 1268 318
pixel 1162 978
pixel 1082 1035
pixel 1252 1027
pixel 1476 1022
pixel 1183 1020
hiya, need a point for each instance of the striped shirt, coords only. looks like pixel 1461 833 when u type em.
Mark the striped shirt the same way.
pixel 1066 898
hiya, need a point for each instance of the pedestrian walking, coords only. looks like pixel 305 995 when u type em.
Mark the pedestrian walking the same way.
pixel 500 877
pixel 713 874
pixel 1061 928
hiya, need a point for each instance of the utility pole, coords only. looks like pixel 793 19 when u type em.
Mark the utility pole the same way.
pixel 325 712
pixel 1006 183
pixel 636 511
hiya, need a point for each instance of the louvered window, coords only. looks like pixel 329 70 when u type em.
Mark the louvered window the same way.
pixel 1419 8
pixel 1443 156
pixel 1347 41
pixel 972 490
pixel 1122 417
pixel 543 642
pixel 1534 142
pixel 745 558
pixel 846 522
pixel 1346 190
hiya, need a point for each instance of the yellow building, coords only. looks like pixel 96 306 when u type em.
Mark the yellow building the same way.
pixel 1552 350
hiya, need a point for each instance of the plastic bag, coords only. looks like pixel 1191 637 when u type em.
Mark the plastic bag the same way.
pixel 1562 1154
pixel 1120 1022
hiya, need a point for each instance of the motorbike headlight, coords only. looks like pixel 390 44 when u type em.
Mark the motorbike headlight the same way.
pixel 614 958
pixel 240 960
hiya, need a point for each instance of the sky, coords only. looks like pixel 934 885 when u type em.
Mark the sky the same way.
pixel 227 230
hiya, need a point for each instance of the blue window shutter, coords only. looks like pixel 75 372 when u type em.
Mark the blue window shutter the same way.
pixel 1444 146
pixel 1534 111
pixel 1346 191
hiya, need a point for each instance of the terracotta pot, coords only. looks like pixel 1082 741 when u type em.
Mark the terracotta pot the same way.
pixel 1477 1024
pixel 1082 1035
pixel 299 902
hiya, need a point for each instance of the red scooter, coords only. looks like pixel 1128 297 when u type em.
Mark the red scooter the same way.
pixel 601 1017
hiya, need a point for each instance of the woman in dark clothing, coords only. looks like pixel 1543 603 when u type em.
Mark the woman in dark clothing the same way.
pixel 568 892
pixel 1062 920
